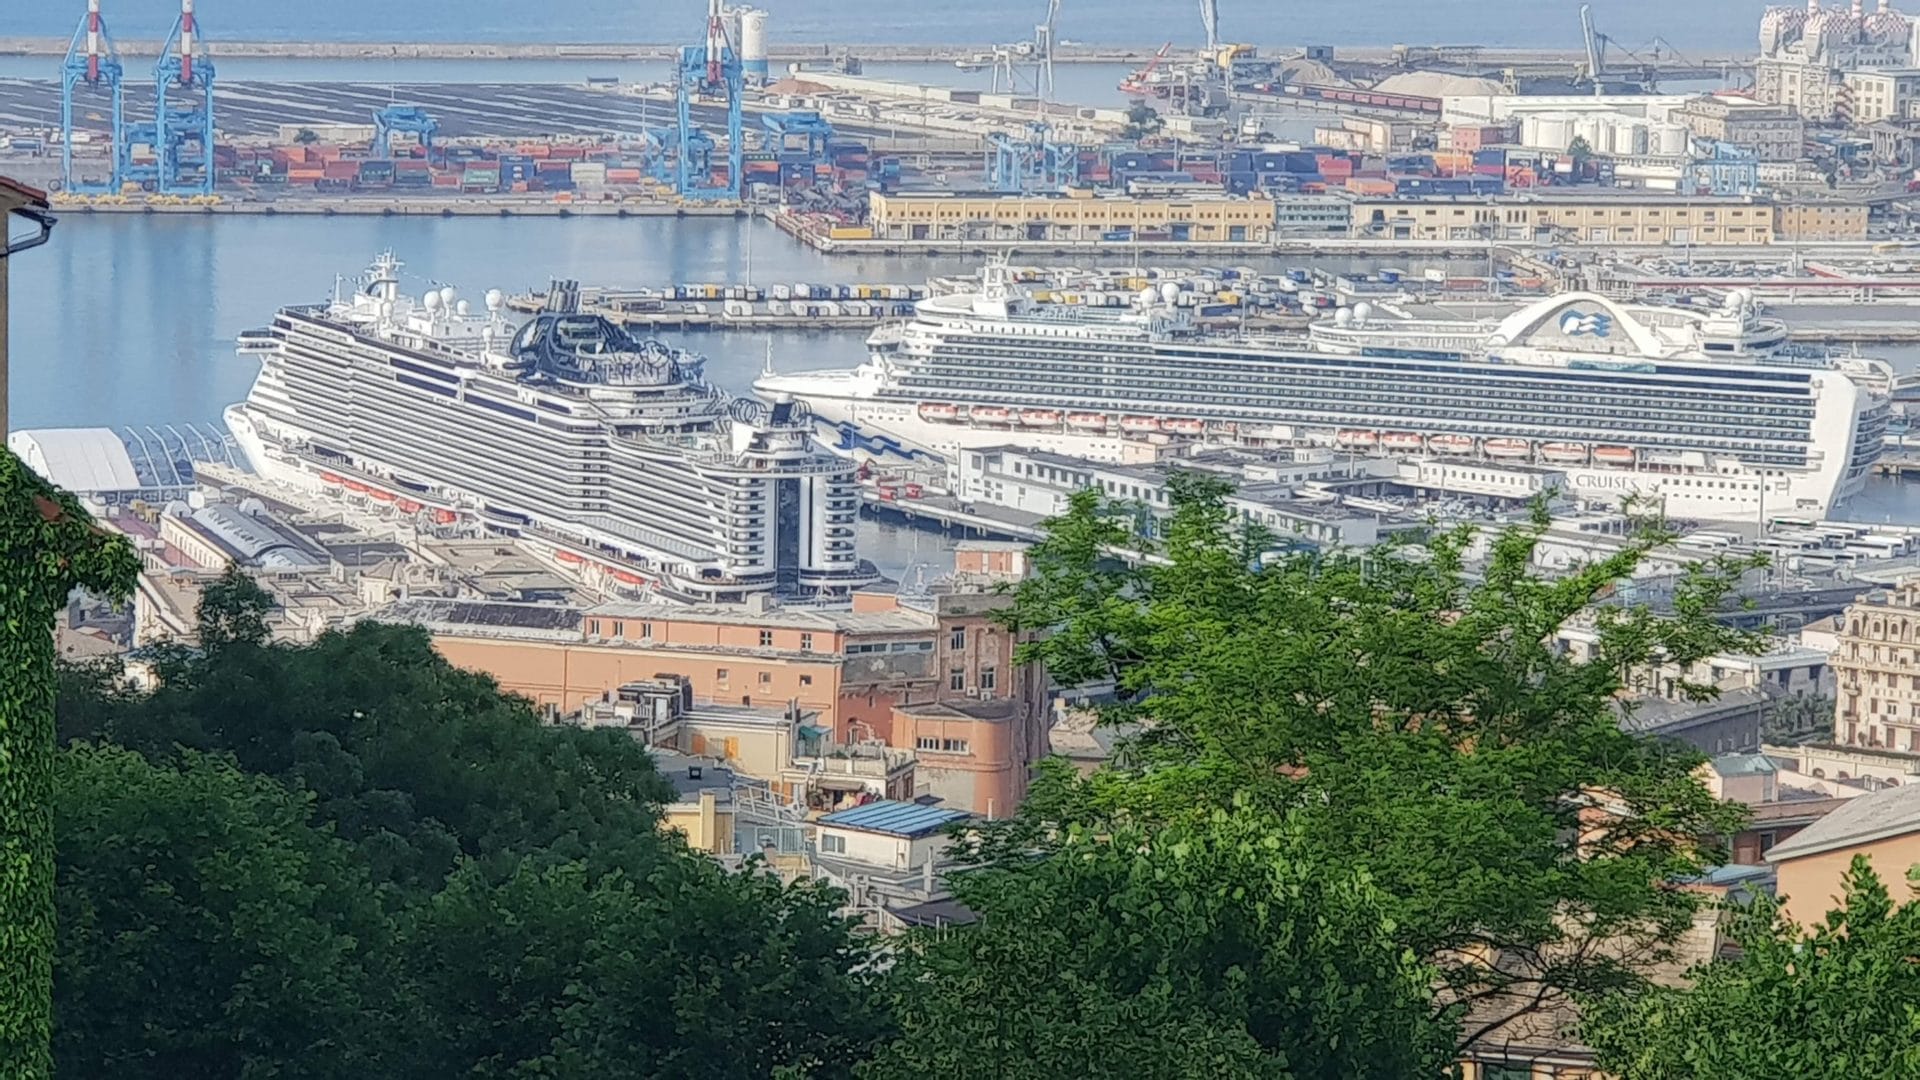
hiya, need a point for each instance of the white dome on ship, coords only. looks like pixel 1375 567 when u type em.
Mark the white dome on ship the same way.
pixel 495 299
pixel 431 301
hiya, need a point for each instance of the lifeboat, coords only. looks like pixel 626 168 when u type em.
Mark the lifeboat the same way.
pixel 408 506
pixel 1040 417
pixel 1358 438
pixel 1613 455
pixel 445 517
pixel 1402 440
pixel 1570 453
pixel 991 414
pixel 1138 424
pixel 1451 444
pixel 356 486
pixel 939 412
pixel 628 577
pixel 380 496
pixel 1185 426
pixel 1087 421
pixel 569 558
pixel 331 478
pixel 1508 448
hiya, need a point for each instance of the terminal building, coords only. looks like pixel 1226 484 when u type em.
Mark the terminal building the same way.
pixel 1607 216
pixel 1078 216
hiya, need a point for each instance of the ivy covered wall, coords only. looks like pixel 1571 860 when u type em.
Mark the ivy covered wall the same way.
pixel 48 548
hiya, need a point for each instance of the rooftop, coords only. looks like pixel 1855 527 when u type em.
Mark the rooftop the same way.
pixel 1861 820
pixel 508 616
pixel 690 776
pixel 13 193
pixel 81 460
pixel 853 622
pixel 1744 765
pixel 895 818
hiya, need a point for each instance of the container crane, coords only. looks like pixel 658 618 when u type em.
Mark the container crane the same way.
pixel 183 110
pixel 709 69
pixel 93 63
pixel 1596 50
pixel 405 119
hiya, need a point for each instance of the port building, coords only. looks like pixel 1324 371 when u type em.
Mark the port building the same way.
pixel 1603 216
pixel 1075 216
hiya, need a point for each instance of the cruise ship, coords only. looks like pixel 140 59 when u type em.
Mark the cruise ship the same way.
pixel 612 455
pixel 1709 414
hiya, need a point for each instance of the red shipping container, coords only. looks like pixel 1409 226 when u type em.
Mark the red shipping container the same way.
pixel 446 180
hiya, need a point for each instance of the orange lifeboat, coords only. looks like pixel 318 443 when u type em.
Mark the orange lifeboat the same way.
pixel 1087 421
pixel 331 478
pixel 1040 417
pixel 1402 440
pixel 1185 426
pixel 1565 453
pixel 1137 425
pixel 1508 448
pixel 356 486
pixel 408 506
pixel 569 558
pixel 991 414
pixel 1357 438
pixel 445 517
pixel 1451 444
pixel 628 577
pixel 1613 455
pixel 380 496
pixel 939 412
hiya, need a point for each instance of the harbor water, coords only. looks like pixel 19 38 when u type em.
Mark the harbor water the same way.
pixel 131 320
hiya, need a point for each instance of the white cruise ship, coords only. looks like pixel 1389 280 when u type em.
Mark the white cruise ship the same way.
pixel 1709 414
pixel 611 454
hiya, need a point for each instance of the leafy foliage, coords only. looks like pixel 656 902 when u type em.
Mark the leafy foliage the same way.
pixel 1840 1000
pixel 206 929
pixel 1412 723
pixel 1204 948
pixel 418 879
pixel 49 547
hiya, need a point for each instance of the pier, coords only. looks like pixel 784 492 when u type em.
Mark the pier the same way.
pixel 1904 464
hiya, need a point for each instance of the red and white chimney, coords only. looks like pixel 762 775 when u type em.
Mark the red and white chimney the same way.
pixel 186 42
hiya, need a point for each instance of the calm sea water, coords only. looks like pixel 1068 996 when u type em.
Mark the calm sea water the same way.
pixel 1717 25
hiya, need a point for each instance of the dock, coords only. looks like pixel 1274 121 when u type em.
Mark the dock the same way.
pixel 482 206
pixel 1902 464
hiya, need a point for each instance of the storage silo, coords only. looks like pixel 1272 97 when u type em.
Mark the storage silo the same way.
pixel 753 43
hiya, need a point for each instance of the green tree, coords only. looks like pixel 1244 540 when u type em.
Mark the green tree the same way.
pixel 50 547
pixel 1143 122
pixel 1415 724
pixel 687 975
pixel 233 610
pixel 206 929
pixel 1581 151
pixel 1215 947
pixel 1841 1000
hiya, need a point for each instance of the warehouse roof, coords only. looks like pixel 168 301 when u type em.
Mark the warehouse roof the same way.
pixel 81 460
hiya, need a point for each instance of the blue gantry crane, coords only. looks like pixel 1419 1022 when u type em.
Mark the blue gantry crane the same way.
pixel 1017 165
pixel 708 70
pixel 92 68
pixel 403 119
pixel 183 112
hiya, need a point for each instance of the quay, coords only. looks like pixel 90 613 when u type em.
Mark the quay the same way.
pixel 1903 464
pixel 377 206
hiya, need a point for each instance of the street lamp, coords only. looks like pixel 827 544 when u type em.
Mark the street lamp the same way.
pixel 17 201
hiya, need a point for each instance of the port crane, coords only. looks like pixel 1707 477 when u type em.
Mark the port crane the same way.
pixel 1210 18
pixel 1008 61
pixel 406 120
pixel 709 70
pixel 183 111
pixel 93 65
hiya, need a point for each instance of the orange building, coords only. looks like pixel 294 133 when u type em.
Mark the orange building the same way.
pixel 1811 867
pixel 930 674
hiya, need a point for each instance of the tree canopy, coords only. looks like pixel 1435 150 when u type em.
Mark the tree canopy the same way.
pixel 1839 1000
pixel 351 859
pixel 1410 722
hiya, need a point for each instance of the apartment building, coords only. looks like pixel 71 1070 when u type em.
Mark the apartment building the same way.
pixel 1869 97
pixel 933 675
pixel 1773 132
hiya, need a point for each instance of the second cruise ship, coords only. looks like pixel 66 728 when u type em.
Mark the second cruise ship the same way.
pixel 1707 413
pixel 613 455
